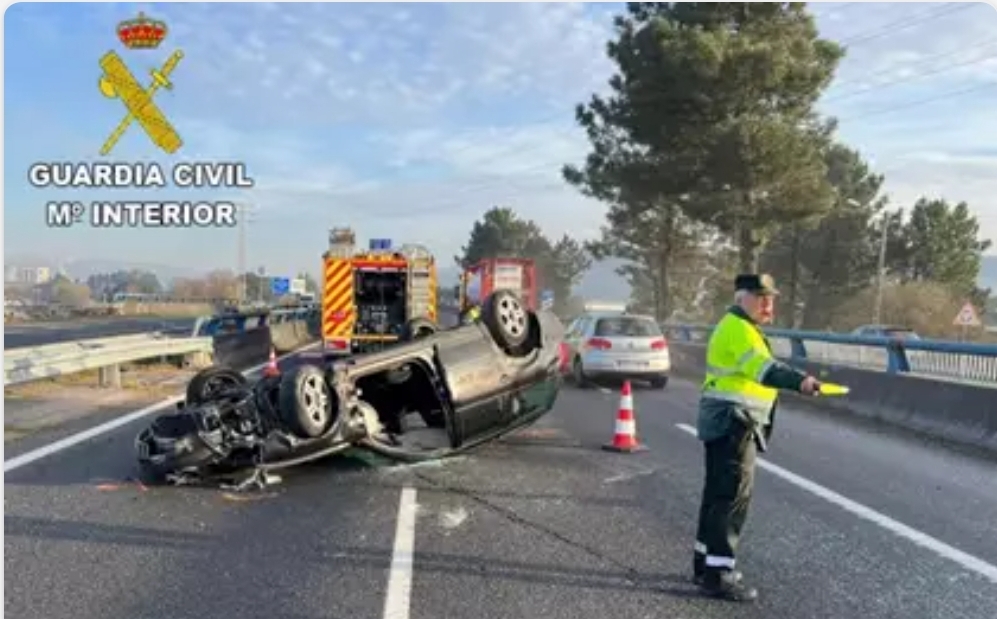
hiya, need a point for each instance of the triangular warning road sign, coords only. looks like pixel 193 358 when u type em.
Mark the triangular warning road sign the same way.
pixel 967 317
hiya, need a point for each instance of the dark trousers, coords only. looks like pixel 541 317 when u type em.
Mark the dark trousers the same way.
pixel 730 474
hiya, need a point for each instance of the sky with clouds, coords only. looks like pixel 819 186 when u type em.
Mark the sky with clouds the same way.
pixel 409 120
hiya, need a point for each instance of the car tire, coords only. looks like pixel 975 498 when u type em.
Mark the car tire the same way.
pixel 508 322
pixel 659 383
pixel 578 375
pixel 207 383
pixel 305 401
pixel 418 328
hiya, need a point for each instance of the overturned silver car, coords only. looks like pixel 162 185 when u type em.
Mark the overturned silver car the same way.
pixel 436 394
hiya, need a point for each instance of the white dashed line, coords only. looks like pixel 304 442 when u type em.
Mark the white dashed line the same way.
pixel 398 599
pixel 924 540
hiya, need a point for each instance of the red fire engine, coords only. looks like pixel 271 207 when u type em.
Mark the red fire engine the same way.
pixel 486 276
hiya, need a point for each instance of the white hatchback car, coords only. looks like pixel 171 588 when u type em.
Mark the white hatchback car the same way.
pixel 616 345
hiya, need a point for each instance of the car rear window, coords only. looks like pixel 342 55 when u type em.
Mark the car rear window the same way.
pixel 626 326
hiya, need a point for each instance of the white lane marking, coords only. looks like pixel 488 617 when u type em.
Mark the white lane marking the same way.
pixel 398 599
pixel 629 476
pixel 74 439
pixel 924 540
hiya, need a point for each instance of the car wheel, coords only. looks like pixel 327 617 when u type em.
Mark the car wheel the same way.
pixel 306 401
pixel 507 320
pixel 417 328
pixel 207 383
pixel 578 374
pixel 659 383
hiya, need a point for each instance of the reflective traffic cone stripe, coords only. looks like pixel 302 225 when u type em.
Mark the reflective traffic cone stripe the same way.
pixel 627 406
pixel 625 427
pixel 271 368
pixel 625 431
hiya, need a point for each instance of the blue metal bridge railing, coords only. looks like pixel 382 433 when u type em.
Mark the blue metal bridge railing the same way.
pixel 938 359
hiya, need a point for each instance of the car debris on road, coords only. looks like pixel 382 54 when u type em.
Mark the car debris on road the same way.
pixel 436 395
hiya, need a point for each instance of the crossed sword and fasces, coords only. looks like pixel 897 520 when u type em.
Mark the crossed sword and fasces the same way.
pixel 141 105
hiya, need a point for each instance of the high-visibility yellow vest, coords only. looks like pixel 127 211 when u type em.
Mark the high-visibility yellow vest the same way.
pixel 472 314
pixel 737 358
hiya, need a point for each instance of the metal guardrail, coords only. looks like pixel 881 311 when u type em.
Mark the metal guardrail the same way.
pixel 938 359
pixel 22 365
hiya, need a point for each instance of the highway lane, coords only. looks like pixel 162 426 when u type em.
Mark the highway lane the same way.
pixel 542 524
pixel 41 333
pixel 572 532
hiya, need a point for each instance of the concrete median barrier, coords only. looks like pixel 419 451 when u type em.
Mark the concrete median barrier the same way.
pixel 288 336
pixel 961 413
pixel 283 337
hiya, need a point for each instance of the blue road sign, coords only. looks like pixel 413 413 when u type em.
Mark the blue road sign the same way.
pixel 280 286
pixel 546 299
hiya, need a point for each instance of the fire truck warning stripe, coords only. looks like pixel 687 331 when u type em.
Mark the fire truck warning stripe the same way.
pixel 334 270
pixel 337 299
pixel 339 296
pixel 340 301
pixel 432 294
pixel 337 278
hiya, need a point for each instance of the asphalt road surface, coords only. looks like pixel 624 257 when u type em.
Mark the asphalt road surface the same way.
pixel 544 524
pixel 40 333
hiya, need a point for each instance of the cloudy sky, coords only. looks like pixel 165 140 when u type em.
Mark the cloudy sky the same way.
pixel 409 120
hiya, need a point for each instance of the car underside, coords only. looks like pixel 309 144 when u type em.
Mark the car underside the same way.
pixel 437 394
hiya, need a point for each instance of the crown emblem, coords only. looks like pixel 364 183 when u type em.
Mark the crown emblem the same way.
pixel 142 32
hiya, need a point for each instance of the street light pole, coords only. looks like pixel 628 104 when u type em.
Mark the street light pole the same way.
pixel 242 255
pixel 881 270
pixel 245 212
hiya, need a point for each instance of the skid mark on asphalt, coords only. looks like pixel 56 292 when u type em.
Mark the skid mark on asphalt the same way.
pixel 919 538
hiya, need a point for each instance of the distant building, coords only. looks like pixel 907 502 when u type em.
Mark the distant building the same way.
pixel 27 275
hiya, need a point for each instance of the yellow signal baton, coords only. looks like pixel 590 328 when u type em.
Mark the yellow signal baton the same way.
pixel 833 389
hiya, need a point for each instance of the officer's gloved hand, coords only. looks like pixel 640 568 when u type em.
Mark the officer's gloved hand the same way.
pixel 810 386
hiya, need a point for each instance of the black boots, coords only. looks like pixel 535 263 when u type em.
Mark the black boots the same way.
pixel 699 577
pixel 699 569
pixel 726 585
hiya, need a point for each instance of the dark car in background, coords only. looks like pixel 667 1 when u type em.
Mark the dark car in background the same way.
pixel 888 331
pixel 434 395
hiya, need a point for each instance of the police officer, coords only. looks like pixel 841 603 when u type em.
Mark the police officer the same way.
pixel 736 414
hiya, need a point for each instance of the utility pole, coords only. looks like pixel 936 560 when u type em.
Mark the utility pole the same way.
pixel 242 254
pixel 261 277
pixel 244 211
pixel 881 270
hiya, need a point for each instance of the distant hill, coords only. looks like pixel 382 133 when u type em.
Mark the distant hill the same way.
pixel 82 269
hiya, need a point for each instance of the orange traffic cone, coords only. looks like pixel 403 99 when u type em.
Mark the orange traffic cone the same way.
pixel 271 368
pixel 625 434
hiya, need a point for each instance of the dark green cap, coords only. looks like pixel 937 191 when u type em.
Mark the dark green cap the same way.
pixel 761 284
